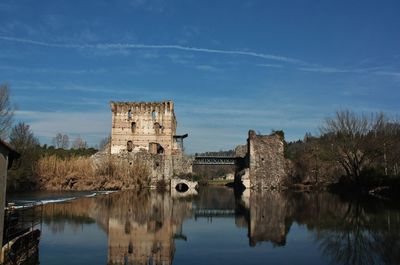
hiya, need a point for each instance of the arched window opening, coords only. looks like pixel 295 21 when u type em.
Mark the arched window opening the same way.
pixel 157 128
pixel 130 247
pixel 155 148
pixel 154 115
pixel 129 146
pixel 160 149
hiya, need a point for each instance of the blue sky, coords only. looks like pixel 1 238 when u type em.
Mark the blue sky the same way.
pixel 229 66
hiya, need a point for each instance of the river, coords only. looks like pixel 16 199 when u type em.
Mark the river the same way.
pixel 218 227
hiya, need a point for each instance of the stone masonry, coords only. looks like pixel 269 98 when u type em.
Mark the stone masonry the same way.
pixel 149 126
pixel 266 161
pixel 147 131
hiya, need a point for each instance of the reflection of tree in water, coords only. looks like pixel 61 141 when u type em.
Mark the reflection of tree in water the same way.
pixel 388 246
pixel 73 214
pixel 348 231
pixel 142 226
pixel 362 237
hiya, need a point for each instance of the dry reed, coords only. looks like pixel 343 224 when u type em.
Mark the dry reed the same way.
pixel 55 167
pixel 116 172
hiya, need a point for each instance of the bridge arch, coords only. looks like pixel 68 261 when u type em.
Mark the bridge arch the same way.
pixel 181 187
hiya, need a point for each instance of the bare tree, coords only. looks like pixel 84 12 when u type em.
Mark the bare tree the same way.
pixel 348 137
pixel 6 111
pixel 104 142
pixel 57 140
pixel 24 141
pixel 61 141
pixel 65 141
pixel 79 143
pixel 22 138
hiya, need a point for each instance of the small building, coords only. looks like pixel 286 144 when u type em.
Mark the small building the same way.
pixel 145 126
pixel 7 155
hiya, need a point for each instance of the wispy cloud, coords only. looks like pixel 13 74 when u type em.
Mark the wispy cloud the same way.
pixel 205 67
pixel 270 65
pixel 122 46
pixel 157 6
pixel 333 70
pixel 53 70
pixel 180 58
pixel 329 70
pixel 395 74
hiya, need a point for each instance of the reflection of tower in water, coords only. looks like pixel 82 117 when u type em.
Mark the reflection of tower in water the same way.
pixel 267 218
pixel 264 213
pixel 142 229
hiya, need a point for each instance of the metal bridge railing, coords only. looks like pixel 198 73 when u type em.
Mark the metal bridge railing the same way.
pixel 20 220
pixel 214 160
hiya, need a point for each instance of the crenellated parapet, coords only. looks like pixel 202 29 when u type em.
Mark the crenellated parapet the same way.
pixel 142 107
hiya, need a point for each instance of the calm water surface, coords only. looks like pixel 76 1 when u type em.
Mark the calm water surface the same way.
pixel 217 227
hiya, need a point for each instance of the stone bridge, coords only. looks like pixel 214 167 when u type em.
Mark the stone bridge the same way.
pixel 183 187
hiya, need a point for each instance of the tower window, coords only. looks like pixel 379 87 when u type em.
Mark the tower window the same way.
pixel 133 127
pixel 157 128
pixel 129 146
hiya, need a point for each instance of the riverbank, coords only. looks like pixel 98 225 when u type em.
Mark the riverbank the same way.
pixel 218 182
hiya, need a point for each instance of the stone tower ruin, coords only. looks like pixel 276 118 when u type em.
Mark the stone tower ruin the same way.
pixel 145 126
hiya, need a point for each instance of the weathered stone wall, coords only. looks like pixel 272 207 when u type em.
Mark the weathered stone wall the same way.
pixel 266 161
pixel 182 164
pixel 162 167
pixel 138 126
pixel 241 151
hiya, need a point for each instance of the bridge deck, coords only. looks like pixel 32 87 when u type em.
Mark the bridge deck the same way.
pixel 214 160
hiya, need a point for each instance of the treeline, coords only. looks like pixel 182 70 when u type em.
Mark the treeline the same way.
pixel 22 174
pixel 351 149
pixel 46 150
